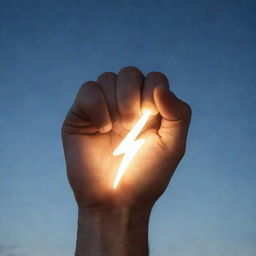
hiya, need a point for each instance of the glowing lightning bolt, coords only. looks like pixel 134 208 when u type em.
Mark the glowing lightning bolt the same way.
pixel 129 146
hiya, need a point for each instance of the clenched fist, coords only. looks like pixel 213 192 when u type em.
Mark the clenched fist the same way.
pixel 102 114
pixel 114 222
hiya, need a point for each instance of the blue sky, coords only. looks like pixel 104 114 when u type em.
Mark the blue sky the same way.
pixel 206 48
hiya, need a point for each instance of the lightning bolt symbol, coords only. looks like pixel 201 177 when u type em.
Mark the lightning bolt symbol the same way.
pixel 129 146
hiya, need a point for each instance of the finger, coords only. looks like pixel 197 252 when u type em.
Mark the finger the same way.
pixel 176 116
pixel 90 107
pixel 128 91
pixel 152 80
pixel 107 82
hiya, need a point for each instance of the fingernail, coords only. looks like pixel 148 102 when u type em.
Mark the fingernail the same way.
pixel 106 128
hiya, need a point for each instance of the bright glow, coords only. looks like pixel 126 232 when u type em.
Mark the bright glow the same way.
pixel 129 146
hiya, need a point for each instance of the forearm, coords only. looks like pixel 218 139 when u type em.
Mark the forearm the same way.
pixel 119 231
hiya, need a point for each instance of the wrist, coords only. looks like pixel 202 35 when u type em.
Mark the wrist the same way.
pixel 115 231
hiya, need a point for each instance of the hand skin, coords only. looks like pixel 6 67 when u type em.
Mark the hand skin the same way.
pixel 114 222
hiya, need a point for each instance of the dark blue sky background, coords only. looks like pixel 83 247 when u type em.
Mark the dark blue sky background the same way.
pixel 206 48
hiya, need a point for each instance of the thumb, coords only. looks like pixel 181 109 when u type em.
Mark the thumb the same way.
pixel 176 116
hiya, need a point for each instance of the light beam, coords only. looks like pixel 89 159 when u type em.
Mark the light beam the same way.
pixel 129 146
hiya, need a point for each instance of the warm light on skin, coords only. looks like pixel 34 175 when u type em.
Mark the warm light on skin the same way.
pixel 129 146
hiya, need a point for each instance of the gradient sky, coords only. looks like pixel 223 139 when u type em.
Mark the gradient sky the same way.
pixel 48 48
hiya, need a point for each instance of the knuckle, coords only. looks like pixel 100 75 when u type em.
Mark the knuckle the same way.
pixel 87 85
pixel 130 70
pixel 106 76
pixel 157 76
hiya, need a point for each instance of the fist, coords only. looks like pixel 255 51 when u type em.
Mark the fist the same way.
pixel 101 116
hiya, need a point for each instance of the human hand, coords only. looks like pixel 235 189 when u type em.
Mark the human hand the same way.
pixel 114 222
pixel 99 119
